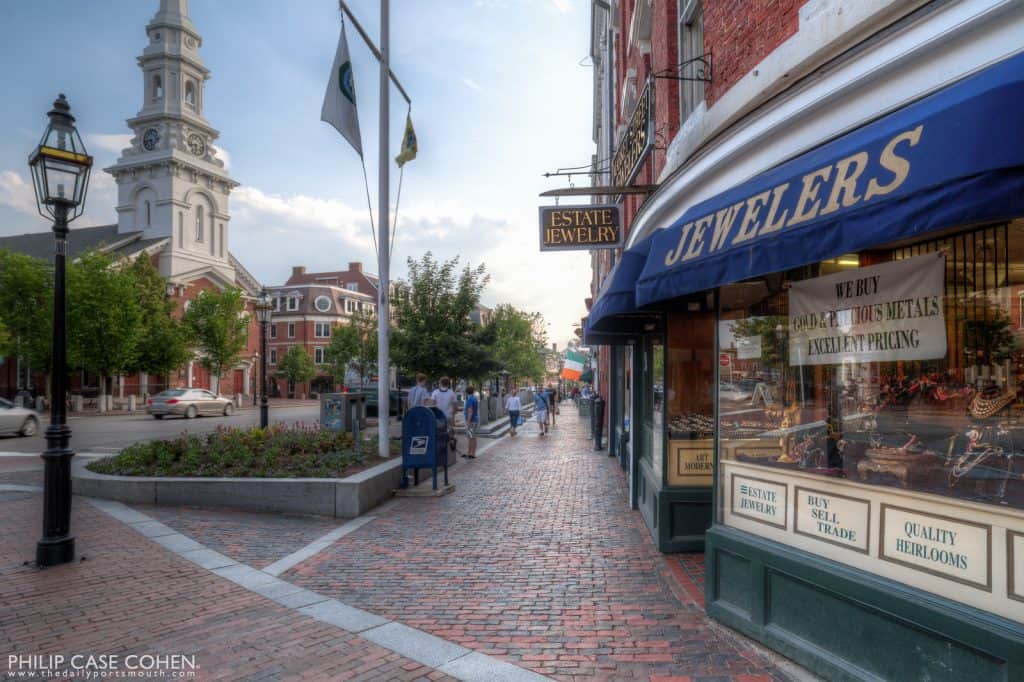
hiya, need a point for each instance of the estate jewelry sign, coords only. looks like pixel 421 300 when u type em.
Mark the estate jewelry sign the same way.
pixel 881 313
pixel 958 550
pixel 759 500
pixel 637 141
pixel 838 519
pixel 580 228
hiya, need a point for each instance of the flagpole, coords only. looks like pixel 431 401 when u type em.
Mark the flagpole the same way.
pixel 383 250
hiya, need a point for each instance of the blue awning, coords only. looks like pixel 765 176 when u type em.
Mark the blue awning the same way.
pixel 619 296
pixel 953 158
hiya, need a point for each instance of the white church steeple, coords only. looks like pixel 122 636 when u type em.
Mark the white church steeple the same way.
pixel 170 182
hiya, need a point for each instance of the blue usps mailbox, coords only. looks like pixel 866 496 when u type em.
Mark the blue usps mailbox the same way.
pixel 424 443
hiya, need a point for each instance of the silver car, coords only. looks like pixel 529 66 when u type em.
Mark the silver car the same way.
pixel 18 420
pixel 188 403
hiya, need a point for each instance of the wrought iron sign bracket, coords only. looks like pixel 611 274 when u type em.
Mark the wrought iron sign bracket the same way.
pixel 699 68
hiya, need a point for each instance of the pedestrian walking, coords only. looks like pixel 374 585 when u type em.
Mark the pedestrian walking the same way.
pixel 540 411
pixel 443 398
pixel 513 405
pixel 418 394
pixel 472 416
pixel 552 403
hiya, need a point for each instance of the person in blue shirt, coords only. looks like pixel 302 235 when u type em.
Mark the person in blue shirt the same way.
pixel 540 410
pixel 471 413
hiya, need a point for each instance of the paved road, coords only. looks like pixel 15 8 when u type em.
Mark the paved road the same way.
pixel 111 433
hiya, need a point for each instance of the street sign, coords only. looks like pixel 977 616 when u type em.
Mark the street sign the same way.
pixel 724 360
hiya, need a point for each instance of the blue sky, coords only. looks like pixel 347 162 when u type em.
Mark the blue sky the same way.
pixel 499 97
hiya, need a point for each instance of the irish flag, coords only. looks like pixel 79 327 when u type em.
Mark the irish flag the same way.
pixel 573 367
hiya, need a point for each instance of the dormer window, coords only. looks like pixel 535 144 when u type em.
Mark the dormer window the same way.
pixel 352 286
pixel 158 88
pixel 190 94
pixel 293 303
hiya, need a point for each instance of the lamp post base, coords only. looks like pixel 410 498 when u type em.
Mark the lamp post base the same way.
pixel 55 552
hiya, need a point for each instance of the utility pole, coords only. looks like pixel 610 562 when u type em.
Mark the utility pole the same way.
pixel 383 249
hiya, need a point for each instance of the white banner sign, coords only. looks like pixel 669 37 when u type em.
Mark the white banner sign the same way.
pixel 880 313
pixel 748 347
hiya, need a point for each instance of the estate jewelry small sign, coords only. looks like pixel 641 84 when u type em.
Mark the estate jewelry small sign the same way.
pixel 882 313
pixel 838 519
pixel 759 500
pixel 940 545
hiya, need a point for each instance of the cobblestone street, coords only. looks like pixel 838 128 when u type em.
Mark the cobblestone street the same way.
pixel 534 560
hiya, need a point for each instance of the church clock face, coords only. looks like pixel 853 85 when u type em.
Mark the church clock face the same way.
pixel 150 139
pixel 196 144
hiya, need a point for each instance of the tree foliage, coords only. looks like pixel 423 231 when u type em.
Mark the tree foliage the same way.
pixel 163 344
pixel 340 351
pixel 354 346
pixel 518 343
pixel 296 366
pixel 218 328
pixel 26 307
pixel 104 316
pixel 434 332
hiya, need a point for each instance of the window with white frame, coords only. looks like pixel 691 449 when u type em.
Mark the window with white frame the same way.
pixel 291 330
pixel 273 331
pixel 318 355
pixel 277 304
pixel 352 286
pixel 273 356
pixel 350 306
pixel 322 330
pixel 199 223
pixel 691 47
pixel 322 303
pixel 293 303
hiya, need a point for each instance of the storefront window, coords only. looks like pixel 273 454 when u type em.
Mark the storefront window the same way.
pixel 690 384
pixel 654 409
pixel 899 367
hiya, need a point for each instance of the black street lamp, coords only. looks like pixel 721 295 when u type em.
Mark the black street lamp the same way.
pixel 60 174
pixel 263 309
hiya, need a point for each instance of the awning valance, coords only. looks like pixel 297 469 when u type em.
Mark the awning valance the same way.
pixel 618 296
pixel 953 158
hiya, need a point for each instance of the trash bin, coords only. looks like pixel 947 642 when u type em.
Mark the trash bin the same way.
pixel 585 407
pixel 597 421
pixel 424 443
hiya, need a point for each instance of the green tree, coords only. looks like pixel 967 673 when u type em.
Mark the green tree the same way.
pixel 434 333
pixel 163 344
pixel 5 340
pixel 364 359
pixel 26 307
pixel 518 345
pixel 218 328
pixel 104 317
pixel 296 366
pixel 340 351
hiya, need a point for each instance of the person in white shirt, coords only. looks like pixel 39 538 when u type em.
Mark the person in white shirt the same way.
pixel 513 406
pixel 444 399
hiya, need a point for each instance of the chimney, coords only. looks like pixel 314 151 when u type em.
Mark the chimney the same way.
pixel 355 267
pixel 298 270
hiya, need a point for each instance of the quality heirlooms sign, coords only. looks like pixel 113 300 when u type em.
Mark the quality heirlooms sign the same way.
pixel 882 313
pixel 637 141
pixel 580 228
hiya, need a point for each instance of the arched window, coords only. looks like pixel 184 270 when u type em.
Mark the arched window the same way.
pixel 158 88
pixel 199 223
pixel 190 94
pixel 149 214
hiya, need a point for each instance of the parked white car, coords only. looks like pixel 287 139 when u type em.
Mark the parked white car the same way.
pixel 17 420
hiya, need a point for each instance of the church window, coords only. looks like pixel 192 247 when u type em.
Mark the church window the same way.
pixel 149 214
pixel 190 94
pixel 181 229
pixel 221 238
pixel 199 223
pixel 158 88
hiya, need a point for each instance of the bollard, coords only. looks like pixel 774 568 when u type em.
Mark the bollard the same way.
pixel 131 403
pixel 76 403
pixel 597 421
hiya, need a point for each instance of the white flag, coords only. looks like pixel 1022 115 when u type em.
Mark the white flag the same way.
pixel 340 99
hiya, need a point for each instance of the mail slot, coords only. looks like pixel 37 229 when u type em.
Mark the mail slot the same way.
pixel 424 443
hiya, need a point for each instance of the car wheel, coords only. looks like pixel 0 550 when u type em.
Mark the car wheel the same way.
pixel 191 412
pixel 158 416
pixel 29 428
pixel 228 410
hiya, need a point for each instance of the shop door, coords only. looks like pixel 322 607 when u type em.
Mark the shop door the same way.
pixel 628 396
pixel 239 381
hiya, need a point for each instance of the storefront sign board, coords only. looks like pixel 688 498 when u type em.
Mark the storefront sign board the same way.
pixel 692 462
pixel 759 500
pixel 881 313
pixel 838 519
pixel 940 545
pixel 580 228
pixel 637 141
pixel 748 347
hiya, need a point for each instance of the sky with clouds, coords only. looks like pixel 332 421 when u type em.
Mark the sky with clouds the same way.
pixel 501 93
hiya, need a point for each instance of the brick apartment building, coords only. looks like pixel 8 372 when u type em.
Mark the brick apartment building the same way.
pixel 721 107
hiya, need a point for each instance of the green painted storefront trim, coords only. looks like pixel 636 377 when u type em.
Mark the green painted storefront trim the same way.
pixel 846 624
pixel 677 518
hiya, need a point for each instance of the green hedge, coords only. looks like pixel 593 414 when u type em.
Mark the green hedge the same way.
pixel 276 452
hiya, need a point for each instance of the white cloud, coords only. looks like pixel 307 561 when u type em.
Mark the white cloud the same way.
pixel 17 193
pixel 223 155
pixel 472 84
pixel 563 6
pixel 109 142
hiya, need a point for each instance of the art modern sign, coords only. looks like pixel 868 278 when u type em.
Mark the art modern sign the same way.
pixel 882 313
pixel 580 228
pixel 637 141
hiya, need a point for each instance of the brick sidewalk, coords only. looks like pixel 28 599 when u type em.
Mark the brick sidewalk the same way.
pixel 536 559
pixel 132 596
